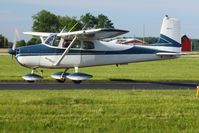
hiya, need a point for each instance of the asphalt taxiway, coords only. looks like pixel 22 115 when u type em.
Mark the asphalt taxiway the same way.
pixel 112 84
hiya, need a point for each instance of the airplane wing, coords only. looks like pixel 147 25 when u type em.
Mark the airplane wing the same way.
pixel 94 33
pixel 41 34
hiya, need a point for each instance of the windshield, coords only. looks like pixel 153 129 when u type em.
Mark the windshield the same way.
pixel 57 41
pixel 53 40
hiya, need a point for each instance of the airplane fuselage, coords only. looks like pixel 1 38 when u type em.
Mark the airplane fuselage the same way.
pixel 98 53
pixel 84 49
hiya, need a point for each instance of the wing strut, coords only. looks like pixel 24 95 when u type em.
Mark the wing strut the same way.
pixel 65 52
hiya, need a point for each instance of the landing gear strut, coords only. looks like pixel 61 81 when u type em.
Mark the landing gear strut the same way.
pixel 60 76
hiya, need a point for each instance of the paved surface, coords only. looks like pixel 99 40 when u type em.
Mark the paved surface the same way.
pixel 113 84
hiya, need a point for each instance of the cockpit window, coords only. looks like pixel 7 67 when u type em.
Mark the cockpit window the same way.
pixel 50 39
pixel 88 45
pixel 53 40
pixel 56 41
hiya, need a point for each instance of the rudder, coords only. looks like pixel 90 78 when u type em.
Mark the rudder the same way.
pixel 170 32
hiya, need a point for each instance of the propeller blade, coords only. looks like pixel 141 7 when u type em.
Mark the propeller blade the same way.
pixel 14 45
pixel 16 36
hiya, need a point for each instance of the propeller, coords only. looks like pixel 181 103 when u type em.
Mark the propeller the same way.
pixel 12 50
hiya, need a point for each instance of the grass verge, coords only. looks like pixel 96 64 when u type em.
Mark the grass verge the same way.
pixel 99 111
pixel 182 69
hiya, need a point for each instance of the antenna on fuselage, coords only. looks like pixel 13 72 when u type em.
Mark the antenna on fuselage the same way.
pixel 143 33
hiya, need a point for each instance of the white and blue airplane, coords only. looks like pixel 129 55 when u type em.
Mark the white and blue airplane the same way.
pixel 86 48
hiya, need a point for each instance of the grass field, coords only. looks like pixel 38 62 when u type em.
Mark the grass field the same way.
pixel 182 69
pixel 112 111
pixel 103 111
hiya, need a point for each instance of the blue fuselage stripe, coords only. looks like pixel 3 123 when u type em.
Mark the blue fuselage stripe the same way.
pixel 42 50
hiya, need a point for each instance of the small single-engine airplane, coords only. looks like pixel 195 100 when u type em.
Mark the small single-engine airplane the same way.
pixel 86 48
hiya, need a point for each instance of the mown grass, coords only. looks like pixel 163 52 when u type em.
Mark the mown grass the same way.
pixel 182 69
pixel 112 111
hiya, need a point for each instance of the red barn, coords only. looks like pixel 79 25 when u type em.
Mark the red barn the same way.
pixel 186 44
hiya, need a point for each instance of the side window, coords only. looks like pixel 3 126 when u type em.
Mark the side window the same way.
pixel 88 45
pixel 76 44
pixel 66 43
pixel 56 41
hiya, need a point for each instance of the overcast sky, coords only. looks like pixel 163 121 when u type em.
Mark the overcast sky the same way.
pixel 125 14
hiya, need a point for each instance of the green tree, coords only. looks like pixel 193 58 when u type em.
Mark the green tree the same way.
pixel 104 22
pixel 69 22
pixel 34 40
pixel 195 44
pixel 101 21
pixel 21 43
pixel 3 41
pixel 88 20
pixel 45 21
pixel 10 44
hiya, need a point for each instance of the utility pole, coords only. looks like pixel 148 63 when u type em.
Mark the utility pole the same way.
pixel 4 42
pixel 143 33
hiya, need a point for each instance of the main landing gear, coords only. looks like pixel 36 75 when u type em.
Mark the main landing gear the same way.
pixel 60 76
pixel 76 77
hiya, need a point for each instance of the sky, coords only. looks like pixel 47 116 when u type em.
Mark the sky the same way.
pixel 130 15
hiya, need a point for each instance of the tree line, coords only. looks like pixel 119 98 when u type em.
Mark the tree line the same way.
pixel 45 21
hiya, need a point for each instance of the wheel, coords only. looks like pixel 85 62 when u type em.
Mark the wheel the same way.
pixel 61 80
pixel 77 81
pixel 30 81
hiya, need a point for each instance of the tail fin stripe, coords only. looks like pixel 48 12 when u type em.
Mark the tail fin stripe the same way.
pixel 169 40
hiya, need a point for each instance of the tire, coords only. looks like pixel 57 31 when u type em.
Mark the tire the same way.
pixel 61 80
pixel 77 81
pixel 30 81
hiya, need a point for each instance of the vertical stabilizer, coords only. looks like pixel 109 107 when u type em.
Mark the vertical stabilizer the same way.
pixel 170 31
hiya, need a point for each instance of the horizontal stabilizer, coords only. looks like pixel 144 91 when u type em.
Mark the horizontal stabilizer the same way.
pixel 167 54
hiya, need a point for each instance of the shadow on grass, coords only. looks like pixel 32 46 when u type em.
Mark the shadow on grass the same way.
pixel 161 83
